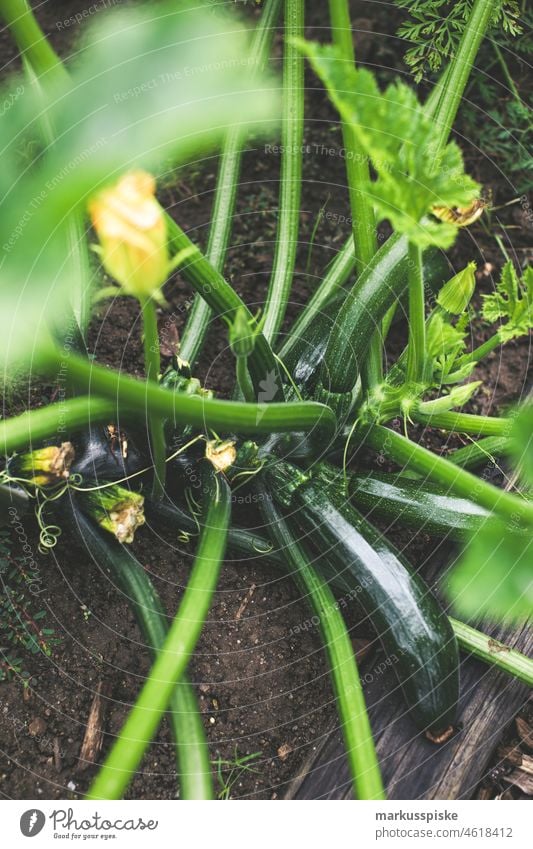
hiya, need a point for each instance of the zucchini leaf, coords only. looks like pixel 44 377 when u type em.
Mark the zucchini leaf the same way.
pixel 400 141
pixel 494 576
pixel 512 302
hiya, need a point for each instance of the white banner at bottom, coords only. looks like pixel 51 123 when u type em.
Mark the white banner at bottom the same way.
pixel 161 824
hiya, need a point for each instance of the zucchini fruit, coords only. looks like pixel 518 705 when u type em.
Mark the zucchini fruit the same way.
pixel 381 285
pixel 405 614
pixel 419 504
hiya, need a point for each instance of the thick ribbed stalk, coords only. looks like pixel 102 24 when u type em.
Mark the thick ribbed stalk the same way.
pixel 357 172
pixel 31 40
pixel 493 652
pixel 195 330
pixel 351 706
pixel 203 413
pixel 416 350
pixel 250 545
pixel 291 172
pixel 413 456
pixel 53 421
pixel 192 753
pixel 465 423
pixel 173 657
pixel 152 364
pixel 225 302
pixel 460 68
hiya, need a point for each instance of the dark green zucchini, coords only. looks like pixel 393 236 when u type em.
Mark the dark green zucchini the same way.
pixel 417 504
pixel 309 348
pixel 172 517
pixel 107 453
pixel 401 608
pixel 382 284
pixel 13 504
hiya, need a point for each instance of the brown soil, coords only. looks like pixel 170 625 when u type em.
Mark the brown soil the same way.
pixel 262 682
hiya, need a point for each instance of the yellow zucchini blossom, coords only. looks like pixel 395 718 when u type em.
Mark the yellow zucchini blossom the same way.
pixel 131 228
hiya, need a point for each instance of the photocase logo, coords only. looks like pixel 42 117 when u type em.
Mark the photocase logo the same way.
pixel 267 392
pixel 32 822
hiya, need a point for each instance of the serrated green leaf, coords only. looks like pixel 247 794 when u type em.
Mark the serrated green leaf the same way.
pixel 400 140
pixel 512 303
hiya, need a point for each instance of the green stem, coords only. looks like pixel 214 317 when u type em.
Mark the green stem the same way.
pixel 291 172
pixel 173 657
pixel 413 456
pixel 31 40
pixel 460 68
pixel 194 333
pixel 465 423
pixel 53 421
pixel 479 452
pixel 351 706
pixel 493 652
pixel 243 380
pixel 203 413
pixel 357 172
pixel 223 299
pixel 344 264
pixel 507 75
pixel 416 351
pixel 192 752
pixel 339 272
pixel 481 351
pixel 152 363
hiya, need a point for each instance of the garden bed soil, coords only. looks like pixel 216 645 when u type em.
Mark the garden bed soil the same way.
pixel 259 670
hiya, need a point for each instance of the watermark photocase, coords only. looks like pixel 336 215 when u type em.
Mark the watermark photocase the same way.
pixel 32 822
pixel 267 392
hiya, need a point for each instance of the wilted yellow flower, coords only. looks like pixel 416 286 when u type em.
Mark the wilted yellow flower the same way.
pixel 46 466
pixel 461 216
pixel 131 227
pixel 222 455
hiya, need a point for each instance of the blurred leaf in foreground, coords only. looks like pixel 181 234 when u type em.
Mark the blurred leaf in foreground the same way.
pixel 152 84
pixel 494 577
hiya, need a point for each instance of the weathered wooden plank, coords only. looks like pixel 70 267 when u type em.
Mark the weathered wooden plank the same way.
pixel 414 768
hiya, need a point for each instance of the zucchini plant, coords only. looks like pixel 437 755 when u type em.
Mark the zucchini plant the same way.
pixel 303 414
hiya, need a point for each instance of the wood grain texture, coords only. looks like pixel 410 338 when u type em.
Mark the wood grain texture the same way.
pixel 412 767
